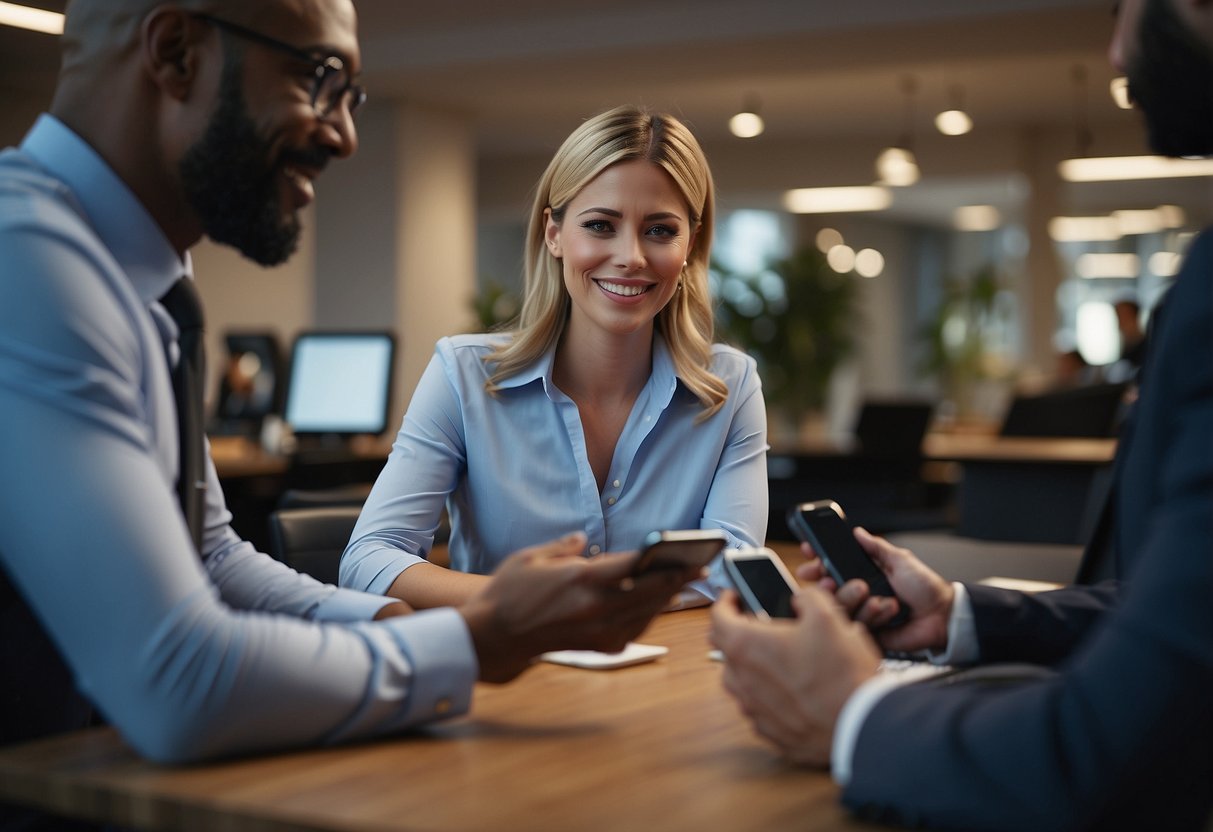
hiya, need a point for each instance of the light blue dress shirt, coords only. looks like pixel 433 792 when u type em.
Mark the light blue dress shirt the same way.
pixel 513 469
pixel 188 658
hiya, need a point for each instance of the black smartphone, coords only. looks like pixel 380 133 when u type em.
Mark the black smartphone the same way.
pixel 680 549
pixel 823 526
pixel 765 585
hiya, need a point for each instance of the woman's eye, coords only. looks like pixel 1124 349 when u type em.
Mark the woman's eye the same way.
pixel 663 231
pixel 597 226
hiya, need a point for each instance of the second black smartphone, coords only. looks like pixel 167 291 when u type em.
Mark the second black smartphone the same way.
pixel 823 526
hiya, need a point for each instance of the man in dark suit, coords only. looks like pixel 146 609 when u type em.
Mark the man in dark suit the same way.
pixel 1110 725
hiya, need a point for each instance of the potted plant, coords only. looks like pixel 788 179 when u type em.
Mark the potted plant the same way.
pixel 961 339
pixel 797 318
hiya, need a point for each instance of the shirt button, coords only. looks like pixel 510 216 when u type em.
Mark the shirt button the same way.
pixel 615 484
pixel 610 501
pixel 595 549
pixel 443 705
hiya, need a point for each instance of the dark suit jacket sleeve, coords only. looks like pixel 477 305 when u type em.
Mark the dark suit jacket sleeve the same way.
pixel 1043 628
pixel 1122 735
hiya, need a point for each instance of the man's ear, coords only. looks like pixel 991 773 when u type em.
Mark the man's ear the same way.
pixel 551 233
pixel 170 40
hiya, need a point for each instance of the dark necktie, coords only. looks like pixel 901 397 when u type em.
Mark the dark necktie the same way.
pixel 188 377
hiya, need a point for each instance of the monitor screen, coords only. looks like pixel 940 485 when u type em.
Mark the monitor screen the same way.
pixel 340 382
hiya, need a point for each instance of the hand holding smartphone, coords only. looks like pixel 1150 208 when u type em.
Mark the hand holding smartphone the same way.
pixel 823 526
pixel 682 549
pixel 762 581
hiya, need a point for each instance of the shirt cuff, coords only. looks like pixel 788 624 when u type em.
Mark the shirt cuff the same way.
pixel 350 605
pixel 855 712
pixel 962 632
pixel 444 664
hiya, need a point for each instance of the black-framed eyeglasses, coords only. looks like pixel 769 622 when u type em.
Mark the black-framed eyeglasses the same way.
pixel 332 84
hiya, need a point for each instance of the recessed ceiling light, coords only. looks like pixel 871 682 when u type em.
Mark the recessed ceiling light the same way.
pixel 25 17
pixel 976 218
pixel 837 200
pixel 1117 168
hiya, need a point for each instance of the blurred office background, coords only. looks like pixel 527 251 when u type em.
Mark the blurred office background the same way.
pixel 963 285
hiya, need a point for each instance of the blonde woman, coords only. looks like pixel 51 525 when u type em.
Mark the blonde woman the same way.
pixel 607 409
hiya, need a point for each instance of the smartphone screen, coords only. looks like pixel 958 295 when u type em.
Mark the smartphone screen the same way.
pixel 823 526
pixel 761 584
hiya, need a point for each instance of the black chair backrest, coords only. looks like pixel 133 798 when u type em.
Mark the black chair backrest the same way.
pixel 1090 411
pixel 894 428
pixel 311 540
pixel 354 494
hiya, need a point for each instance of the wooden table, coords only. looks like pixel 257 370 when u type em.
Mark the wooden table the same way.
pixel 1027 489
pixel 975 448
pixel 659 746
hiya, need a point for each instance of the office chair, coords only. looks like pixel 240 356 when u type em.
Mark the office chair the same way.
pixel 311 540
pixel 1090 411
pixel 893 429
pixel 354 494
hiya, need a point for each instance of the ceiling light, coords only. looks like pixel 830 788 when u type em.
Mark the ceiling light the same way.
pixel 837 200
pixel 1094 265
pixel 897 166
pixel 24 17
pixel 1120 168
pixel 1165 263
pixel 1084 229
pixel 841 259
pixel 827 238
pixel 1119 87
pixel 954 121
pixel 747 124
pixel 1172 216
pixel 869 262
pixel 976 218
pixel 1147 221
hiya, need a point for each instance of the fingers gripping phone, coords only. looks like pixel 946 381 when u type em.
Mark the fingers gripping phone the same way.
pixel 823 526
pixel 762 581
pixel 683 549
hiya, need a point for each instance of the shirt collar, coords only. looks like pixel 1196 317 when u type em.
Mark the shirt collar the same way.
pixel 114 212
pixel 663 379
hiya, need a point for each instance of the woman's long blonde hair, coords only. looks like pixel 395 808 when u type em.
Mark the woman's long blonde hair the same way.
pixel 619 135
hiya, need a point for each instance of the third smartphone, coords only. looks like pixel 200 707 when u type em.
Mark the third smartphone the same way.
pixel 823 526
pixel 763 582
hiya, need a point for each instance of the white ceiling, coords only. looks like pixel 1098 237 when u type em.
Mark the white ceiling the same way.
pixel 828 73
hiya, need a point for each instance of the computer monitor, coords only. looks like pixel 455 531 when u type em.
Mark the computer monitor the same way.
pixel 340 383
pixel 251 382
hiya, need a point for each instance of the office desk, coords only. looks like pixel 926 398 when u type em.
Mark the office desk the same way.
pixel 1006 488
pixel 1037 490
pixel 659 746
pixel 254 480
pixel 239 456
pixel 977 448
